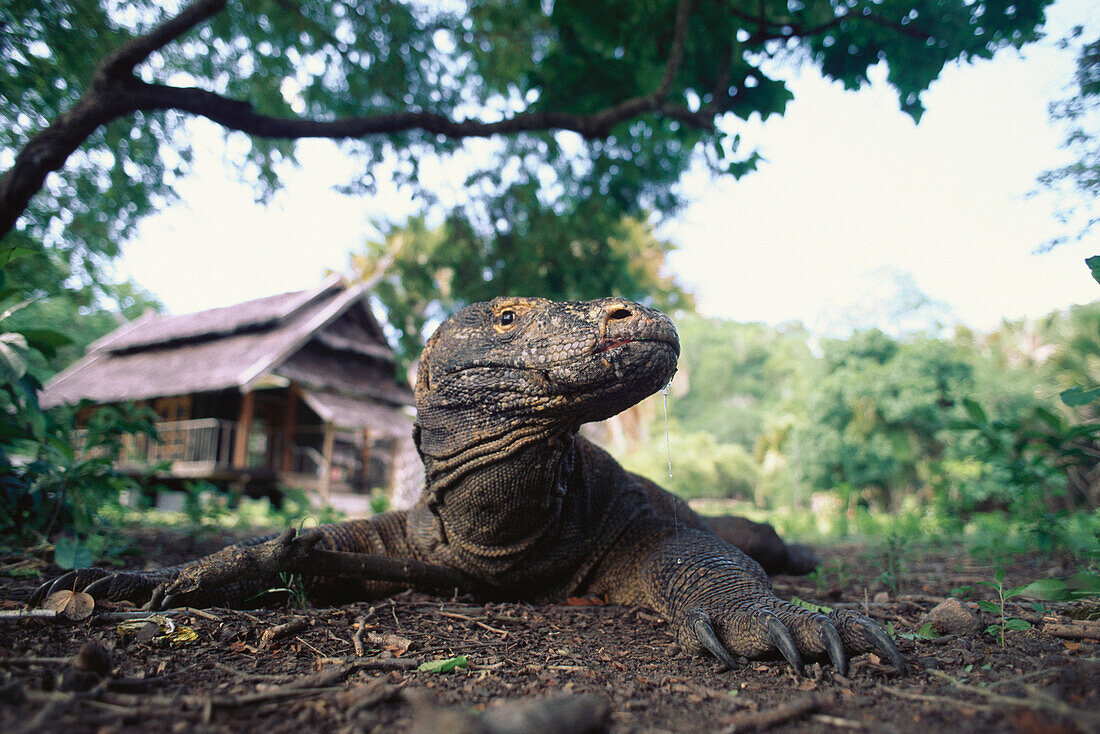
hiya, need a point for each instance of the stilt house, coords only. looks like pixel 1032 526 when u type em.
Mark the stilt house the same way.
pixel 298 389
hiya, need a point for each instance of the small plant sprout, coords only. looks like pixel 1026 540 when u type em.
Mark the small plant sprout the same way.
pixel 997 608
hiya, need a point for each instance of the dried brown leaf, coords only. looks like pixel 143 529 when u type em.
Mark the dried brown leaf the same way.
pixel 75 605
pixel 391 642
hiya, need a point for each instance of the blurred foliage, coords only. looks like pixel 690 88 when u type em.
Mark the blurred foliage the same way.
pixel 943 430
pixel 53 480
pixel 702 467
pixel 80 316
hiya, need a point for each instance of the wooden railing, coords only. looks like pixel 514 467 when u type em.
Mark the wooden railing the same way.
pixel 203 447
pixel 192 446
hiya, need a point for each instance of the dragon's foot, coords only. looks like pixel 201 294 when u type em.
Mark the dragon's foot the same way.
pixel 773 626
pixel 720 601
pixel 134 586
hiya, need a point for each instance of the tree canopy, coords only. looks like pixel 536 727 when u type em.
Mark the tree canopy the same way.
pixel 587 106
pixel 1079 180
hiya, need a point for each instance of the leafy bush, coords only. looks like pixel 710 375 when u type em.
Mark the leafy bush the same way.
pixel 47 486
pixel 701 466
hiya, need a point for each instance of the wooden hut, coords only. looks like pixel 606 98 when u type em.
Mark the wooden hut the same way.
pixel 297 389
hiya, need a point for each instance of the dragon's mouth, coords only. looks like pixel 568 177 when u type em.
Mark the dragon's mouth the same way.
pixel 615 343
pixel 607 347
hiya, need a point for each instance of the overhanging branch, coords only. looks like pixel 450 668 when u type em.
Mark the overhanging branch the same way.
pixel 115 92
pixel 241 116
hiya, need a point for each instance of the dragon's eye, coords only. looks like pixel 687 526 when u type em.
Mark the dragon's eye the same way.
pixel 507 317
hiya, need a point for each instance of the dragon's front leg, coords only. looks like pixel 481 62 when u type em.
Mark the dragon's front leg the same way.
pixel 719 600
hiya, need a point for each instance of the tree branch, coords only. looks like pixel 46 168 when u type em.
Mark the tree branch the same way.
pixel 676 50
pixel 765 33
pixel 115 92
pixel 122 61
pixel 239 115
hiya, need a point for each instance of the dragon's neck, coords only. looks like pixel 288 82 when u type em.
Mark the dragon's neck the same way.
pixel 490 499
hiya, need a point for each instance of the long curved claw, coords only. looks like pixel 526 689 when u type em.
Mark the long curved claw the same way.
pixel 883 644
pixel 834 646
pixel 784 642
pixel 100 586
pixel 708 639
pixel 39 595
pixel 63 583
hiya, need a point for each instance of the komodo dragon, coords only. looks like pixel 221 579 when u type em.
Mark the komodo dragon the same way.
pixel 517 501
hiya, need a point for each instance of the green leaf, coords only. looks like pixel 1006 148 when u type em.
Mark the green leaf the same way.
pixel 13 362
pixel 69 554
pixel 810 605
pixel 1017 624
pixel 443 666
pixel 975 411
pixel 38 338
pixel 988 606
pixel 1094 265
pixel 1077 396
pixel 1049 589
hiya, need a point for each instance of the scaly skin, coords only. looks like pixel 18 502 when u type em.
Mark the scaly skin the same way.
pixel 515 499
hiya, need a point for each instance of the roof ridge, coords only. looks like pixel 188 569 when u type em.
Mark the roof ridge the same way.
pixel 339 305
pixel 219 321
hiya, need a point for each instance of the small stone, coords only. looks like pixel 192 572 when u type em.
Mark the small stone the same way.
pixel 882 597
pixel 953 617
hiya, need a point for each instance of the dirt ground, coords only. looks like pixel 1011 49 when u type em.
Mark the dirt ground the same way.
pixel 586 656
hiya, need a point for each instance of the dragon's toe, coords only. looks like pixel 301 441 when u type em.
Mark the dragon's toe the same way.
pixel 862 634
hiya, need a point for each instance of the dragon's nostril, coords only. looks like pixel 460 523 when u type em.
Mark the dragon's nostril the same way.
pixel 620 313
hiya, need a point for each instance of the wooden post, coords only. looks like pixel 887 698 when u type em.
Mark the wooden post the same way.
pixel 391 471
pixel 326 460
pixel 244 427
pixel 364 459
pixel 290 421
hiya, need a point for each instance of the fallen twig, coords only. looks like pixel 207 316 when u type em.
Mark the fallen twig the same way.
pixel 760 720
pixel 371 694
pixel 281 677
pixel 35 661
pixel 375 663
pixel 932 698
pixel 43 721
pixel 357 638
pixel 478 622
pixel 1072 631
pixel 14 615
pixel 280 631
pixel 838 721
pixel 1036 699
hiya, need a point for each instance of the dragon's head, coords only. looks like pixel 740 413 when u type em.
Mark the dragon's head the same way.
pixel 528 360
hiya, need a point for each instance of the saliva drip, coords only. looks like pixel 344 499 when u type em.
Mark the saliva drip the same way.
pixel 668 444
pixel 668 450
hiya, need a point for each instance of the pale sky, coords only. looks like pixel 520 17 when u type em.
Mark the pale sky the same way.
pixel 853 198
